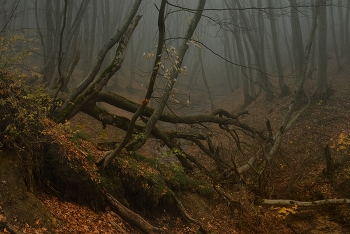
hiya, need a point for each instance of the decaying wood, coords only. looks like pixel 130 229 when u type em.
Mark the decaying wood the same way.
pixel 282 202
pixel 218 116
pixel 132 217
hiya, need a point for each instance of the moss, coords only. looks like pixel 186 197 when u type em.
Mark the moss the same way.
pixel 177 179
pixel 70 179
pixel 149 185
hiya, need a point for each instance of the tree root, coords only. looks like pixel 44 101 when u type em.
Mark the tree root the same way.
pixel 132 217
pixel 9 228
pixel 182 209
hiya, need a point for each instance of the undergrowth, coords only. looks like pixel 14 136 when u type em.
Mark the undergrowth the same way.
pixel 150 183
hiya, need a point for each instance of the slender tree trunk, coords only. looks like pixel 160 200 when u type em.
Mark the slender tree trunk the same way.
pixel 297 36
pixel 237 34
pixel 172 79
pixel 341 27
pixel 283 87
pixel 346 31
pixel 334 37
pixel 161 27
pixel 250 70
pixel 92 36
pixel 86 43
pixel 200 55
pixel 106 28
pixel 322 52
pixel 228 55
pixel 100 57
pixel 42 40
pixel 286 41
pixel 236 71
pixel 312 66
pixel 50 31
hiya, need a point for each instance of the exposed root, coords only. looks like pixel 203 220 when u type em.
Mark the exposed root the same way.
pixel 202 228
pixel 132 217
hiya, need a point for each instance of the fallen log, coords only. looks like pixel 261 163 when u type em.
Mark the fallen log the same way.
pixel 281 202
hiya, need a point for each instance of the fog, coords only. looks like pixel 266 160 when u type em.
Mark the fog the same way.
pixel 234 38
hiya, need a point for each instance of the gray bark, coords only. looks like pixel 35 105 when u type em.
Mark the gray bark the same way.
pixel 283 87
pixel 287 122
pixel 100 57
pixel 322 52
pixel 334 36
pixel 297 36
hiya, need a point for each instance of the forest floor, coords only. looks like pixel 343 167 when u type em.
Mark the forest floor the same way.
pixel 297 172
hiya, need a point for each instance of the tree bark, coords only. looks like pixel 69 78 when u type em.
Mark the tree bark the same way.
pixel 346 31
pixel 282 202
pixel 132 217
pixel 322 52
pixel 157 64
pixel 297 37
pixel 341 27
pixel 200 55
pixel 287 122
pixel 100 57
pixel 283 87
pixel 334 36
pixel 264 82
pixel 97 86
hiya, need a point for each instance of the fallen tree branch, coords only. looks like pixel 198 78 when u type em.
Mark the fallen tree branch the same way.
pixel 130 106
pixel 132 217
pixel 282 202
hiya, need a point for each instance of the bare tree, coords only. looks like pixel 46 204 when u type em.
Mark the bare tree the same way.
pixel 173 74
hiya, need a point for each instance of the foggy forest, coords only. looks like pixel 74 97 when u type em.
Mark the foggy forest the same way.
pixel 174 116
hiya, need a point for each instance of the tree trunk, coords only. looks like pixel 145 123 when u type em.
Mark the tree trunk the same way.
pixel 238 38
pixel 322 52
pixel 283 87
pixel 287 122
pixel 297 36
pixel 92 36
pixel 228 55
pixel 290 55
pixel 334 38
pixel 250 70
pixel 97 86
pixel 346 31
pixel 200 55
pixel 172 79
pixel 98 61
pixel 341 28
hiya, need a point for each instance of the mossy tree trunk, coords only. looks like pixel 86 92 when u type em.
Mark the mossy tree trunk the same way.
pixel 91 92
